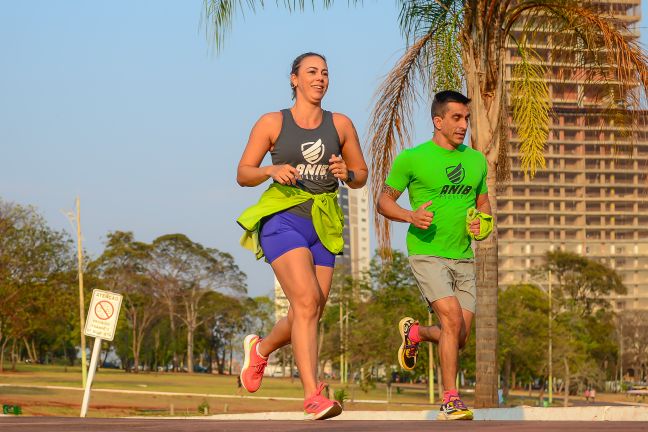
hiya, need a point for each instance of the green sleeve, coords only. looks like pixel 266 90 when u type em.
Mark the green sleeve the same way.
pixel 399 176
pixel 483 186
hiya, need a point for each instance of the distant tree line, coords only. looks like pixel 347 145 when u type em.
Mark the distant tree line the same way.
pixel 585 331
pixel 184 304
pixel 186 308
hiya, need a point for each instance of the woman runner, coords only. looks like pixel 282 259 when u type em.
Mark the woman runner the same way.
pixel 297 224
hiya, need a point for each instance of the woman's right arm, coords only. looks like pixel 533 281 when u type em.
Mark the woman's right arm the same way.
pixel 263 135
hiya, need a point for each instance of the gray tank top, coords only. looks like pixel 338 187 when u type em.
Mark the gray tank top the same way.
pixel 308 150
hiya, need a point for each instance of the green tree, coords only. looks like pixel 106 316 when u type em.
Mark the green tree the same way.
pixel 523 330
pixel 333 324
pixel 393 294
pixel 186 272
pixel 261 311
pixel 633 329
pixel 584 347
pixel 36 280
pixel 584 336
pixel 463 43
pixel 226 319
pixel 574 361
pixel 583 284
pixel 123 269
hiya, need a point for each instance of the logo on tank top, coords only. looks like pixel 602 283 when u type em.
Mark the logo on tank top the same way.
pixel 456 174
pixel 313 152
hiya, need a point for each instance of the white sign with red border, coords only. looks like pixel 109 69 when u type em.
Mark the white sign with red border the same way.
pixel 103 314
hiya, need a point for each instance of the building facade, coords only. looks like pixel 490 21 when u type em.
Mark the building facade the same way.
pixel 357 246
pixel 592 198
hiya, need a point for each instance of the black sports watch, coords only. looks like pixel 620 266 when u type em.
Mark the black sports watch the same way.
pixel 350 176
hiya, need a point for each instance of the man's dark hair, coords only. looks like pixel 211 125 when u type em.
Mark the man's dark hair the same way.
pixel 441 100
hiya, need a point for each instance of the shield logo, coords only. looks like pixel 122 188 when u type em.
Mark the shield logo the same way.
pixel 313 151
pixel 455 174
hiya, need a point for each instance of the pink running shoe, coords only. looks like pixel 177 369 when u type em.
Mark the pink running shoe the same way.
pixel 254 364
pixel 317 407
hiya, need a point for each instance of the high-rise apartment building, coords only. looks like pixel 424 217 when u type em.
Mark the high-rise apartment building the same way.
pixel 592 198
pixel 357 249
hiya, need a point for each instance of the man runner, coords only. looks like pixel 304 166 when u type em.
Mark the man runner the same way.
pixel 445 180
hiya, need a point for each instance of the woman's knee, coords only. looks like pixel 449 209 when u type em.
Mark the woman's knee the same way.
pixel 306 307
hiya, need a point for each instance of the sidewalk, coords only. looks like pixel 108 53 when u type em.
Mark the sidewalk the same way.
pixel 593 413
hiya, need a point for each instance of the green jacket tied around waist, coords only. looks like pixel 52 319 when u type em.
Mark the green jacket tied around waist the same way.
pixel 326 213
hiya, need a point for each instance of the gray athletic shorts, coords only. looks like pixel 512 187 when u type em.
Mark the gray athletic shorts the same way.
pixel 439 277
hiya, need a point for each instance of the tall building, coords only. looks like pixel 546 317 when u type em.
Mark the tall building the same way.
pixel 357 250
pixel 592 198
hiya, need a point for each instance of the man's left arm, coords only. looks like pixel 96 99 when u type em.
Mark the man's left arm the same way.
pixel 483 204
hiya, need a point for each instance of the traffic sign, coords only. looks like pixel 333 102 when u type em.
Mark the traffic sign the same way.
pixel 103 314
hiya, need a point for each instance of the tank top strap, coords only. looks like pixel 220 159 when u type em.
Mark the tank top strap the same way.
pixel 287 117
pixel 327 119
pixel 287 122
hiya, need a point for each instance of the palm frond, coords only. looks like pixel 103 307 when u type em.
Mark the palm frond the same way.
pixel 218 15
pixel 417 17
pixel 530 104
pixel 391 122
pixel 445 73
pixel 597 44
pixel 434 60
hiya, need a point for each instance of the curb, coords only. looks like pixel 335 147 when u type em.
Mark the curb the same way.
pixel 598 413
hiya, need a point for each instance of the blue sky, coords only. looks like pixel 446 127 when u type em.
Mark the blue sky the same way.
pixel 127 105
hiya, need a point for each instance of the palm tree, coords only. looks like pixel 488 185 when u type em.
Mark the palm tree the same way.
pixel 455 44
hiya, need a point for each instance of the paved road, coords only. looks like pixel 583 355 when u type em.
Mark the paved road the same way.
pixel 59 424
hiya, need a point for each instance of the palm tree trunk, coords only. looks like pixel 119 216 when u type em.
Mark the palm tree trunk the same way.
pixel 486 323
pixel 485 133
pixel 484 85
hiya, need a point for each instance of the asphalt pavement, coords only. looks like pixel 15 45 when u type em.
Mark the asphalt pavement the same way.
pixel 59 424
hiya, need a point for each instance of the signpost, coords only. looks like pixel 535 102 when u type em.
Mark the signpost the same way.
pixel 101 324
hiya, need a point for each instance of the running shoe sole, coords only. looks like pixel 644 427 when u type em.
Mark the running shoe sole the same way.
pixel 332 411
pixel 401 350
pixel 462 416
pixel 247 347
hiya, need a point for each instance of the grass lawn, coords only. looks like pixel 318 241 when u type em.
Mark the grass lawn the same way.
pixel 199 390
pixel 64 402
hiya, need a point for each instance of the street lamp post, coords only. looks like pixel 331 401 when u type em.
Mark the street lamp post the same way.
pixel 431 365
pixel 75 220
pixel 550 318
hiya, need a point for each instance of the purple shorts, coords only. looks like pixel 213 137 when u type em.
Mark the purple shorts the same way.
pixel 283 232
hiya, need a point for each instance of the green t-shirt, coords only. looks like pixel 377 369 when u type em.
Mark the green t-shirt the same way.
pixel 451 179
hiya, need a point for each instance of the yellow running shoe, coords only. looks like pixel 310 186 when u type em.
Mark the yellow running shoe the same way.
pixel 408 350
pixel 455 409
